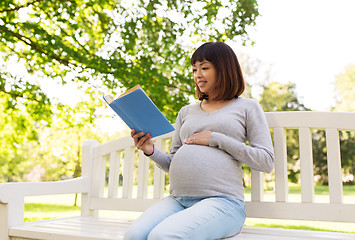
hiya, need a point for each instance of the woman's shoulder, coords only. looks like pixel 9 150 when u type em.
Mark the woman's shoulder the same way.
pixel 248 102
pixel 188 108
pixel 191 106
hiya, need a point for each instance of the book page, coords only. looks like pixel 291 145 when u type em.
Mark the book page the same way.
pixel 109 98
pixel 129 91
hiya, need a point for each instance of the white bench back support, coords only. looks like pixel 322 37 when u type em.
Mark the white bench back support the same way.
pixel 307 209
pixel 120 156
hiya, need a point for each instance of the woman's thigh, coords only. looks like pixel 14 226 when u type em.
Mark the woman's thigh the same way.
pixel 151 217
pixel 211 218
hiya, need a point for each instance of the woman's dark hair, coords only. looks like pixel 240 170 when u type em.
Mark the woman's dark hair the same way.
pixel 230 80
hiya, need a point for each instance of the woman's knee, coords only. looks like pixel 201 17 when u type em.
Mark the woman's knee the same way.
pixel 134 234
pixel 159 233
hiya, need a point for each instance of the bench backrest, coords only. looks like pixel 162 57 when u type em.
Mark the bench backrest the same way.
pixel 119 158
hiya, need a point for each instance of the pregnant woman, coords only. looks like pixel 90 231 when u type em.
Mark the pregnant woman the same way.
pixel 208 149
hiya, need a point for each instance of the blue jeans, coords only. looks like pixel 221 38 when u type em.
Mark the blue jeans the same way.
pixel 189 218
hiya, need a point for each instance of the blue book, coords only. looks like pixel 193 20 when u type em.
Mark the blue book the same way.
pixel 139 112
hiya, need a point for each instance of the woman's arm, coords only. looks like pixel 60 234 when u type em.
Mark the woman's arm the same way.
pixel 259 155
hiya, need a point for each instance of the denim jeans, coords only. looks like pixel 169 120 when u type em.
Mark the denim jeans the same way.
pixel 190 218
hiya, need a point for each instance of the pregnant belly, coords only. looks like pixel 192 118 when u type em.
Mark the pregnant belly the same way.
pixel 196 167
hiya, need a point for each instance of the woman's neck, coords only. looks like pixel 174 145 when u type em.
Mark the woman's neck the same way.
pixel 209 105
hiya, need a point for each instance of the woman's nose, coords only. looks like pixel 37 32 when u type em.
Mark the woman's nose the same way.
pixel 199 73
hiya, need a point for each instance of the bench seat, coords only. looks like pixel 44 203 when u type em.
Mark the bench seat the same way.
pixel 95 228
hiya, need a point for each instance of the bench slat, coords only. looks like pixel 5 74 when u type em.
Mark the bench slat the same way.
pixel 159 175
pixel 281 178
pixel 257 186
pixel 334 166
pixel 98 179
pixel 74 229
pixel 122 204
pixel 306 159
pixel 297 119
pixel 90 228
pixel 302 211
pixel 88 150
pixel 128 172
pixel 143 176
pixel 116 145
pixel 114 174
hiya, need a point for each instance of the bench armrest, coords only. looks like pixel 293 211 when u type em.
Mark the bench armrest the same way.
pixel 9 191
pixel 12 197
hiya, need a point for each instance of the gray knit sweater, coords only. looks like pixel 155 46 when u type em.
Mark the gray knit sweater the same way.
pixel 215 170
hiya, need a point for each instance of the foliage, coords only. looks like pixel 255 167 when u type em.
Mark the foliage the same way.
pixel 281 97
pixel 345 94
pixel 319 149
pixel 58 150
pixel 101 46
pixel 347 150
pixel 347 147
pixel 18 127
pixel 121 42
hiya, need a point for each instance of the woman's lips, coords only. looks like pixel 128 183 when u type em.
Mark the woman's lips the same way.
pixel 201 83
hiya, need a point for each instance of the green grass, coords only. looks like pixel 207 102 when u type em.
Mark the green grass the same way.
pixel 41 211
pixel 47 207
pixel 303 225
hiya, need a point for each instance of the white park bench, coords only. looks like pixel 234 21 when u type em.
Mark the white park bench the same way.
pixel 120 154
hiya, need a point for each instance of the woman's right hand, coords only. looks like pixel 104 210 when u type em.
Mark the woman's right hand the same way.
pixel 145 143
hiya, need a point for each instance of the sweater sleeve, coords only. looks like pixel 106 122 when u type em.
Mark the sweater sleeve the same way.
pixel 162 159
pixel 259 154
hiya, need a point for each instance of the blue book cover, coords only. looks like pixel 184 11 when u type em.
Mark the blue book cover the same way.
pixel 139 112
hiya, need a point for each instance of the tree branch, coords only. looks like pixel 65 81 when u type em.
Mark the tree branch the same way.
pixel 19 7
pixel 34 46
pixel 63 30
pixel 12 94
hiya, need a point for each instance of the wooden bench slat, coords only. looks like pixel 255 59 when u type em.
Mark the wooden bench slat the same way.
pixel 257 186
pixel 88 150
pixel 98 179
pixel 302 211
pixel 115 145
pixel 113 174
pixel 290 234
pixel 143 176
pixel 334 166
pixel 159 175
pixel 306 160
pixel 72 229
pixel 122 204
pixel 281 178
pixel 128 172
pixel 311 119
pixel 81 228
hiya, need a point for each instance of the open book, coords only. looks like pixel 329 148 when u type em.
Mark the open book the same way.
pixel 136 109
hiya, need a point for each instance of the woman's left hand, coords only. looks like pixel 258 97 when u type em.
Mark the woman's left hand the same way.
pixel 201 138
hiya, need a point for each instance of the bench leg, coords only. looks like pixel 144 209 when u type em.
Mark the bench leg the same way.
pixel 11 214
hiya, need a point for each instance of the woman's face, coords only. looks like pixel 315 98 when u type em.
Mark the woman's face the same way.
pixel 205 76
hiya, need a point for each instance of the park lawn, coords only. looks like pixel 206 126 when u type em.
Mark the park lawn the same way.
pixel 58 206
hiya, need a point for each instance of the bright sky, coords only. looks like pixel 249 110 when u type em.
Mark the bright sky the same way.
pixel 308 42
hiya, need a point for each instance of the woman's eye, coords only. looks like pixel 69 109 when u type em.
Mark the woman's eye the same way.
pixel 205 68
pixel 194 70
